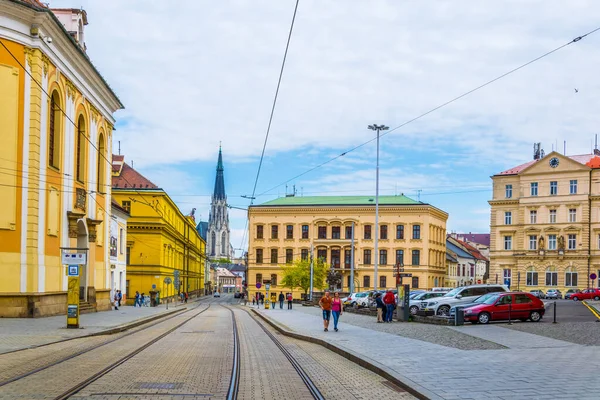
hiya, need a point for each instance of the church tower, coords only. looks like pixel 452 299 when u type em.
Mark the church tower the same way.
pixel 218 244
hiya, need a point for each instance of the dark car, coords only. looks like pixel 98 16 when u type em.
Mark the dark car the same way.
pixel 505 306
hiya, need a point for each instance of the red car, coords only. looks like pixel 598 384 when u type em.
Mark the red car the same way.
pixel 586 294
pixel 518 305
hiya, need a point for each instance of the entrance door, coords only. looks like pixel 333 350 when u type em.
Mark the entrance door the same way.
pixel 82 243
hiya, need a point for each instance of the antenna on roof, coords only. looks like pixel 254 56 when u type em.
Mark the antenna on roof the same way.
pixel 537 151
pixel 131 163
pixel 596 151
pixel 419 194
pixel 119 147
pixel 565 148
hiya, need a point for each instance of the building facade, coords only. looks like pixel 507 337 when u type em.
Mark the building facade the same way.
pixel 161 241
pixel 117 249
pixel 218 233
pixel 56 123
pixel 545 223
pixel 226 280
pixel 411 233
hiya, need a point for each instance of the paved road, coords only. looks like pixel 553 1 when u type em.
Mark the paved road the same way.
pixel 568 311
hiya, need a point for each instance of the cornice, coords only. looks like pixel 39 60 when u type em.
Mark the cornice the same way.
pixel 503 202
pixel 366 209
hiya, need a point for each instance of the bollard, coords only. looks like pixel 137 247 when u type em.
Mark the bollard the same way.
pixel 509 313
pixel 554 311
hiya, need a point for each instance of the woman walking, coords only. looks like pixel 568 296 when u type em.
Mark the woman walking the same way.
pixel 336 309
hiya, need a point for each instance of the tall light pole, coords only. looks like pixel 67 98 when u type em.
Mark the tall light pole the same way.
pixel 377 128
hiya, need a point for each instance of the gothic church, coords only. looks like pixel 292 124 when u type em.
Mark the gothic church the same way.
pixel 218 243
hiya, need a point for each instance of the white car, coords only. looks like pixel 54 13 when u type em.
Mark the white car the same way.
pixel 415 301
pixel 217 294
pixel 461 295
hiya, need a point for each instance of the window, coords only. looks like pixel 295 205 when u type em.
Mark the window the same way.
pixel 552 216
pixel 382 257
pixel 322 254
pixel 289 256
pixel 553 188
pixel 573 186
pixel 507 242
pixel 533 217
pixel 570 277
pixel 322 232
pixel 101 172
pixel 415 282
pixel 367 257
pixel 274 231
pixel 551 242
pixel 273 256
pixel 366 281
pixel 383 281
pixel 335 232
pixel 367 231
pixel 273 279
pixel 54 131
pixel 551 276
pixel 213 243
pixel 259 231
pixel 400 257
pixel 224 243
pixel 531 277
pixel 349 232
pixel 416 257
pixel 507 218
pixel 80 156
pixel 534 188
pixel 304 231
pixel 304 254
pixel 289 232
pixel 383 231
pixel 522 298
pixel 121 240
pixel 572 215
pixel 128 256
pixel 347 258
pixel 507 275
pixel 335 258
pixel 259 278
pixel 508 191
pixel 416 231
pixel 126 206
pixel 532 242
pixel 399 231
pixel 572 244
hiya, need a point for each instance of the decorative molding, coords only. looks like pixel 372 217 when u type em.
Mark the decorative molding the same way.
pixel 92 229
pixel 80 199
pixel 95 113
pixel 28 54
pixel 73 217
pixel 71 89
pixel 45 64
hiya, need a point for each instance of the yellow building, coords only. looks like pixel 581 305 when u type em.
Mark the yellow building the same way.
pixel 545 223
pixel 410 232
pixel 56 123
pixel 161 241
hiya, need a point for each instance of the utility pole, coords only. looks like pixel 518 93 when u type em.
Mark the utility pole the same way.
pixel 311 272
pixel 377 128
pixel 352 262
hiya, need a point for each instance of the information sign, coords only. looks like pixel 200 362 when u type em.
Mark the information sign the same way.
pixel 267 286
pixel 74 258
pixel 406 275
pixel 73 270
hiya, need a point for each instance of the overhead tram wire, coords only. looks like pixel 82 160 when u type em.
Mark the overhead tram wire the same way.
pixel 577 39
pixel 262 156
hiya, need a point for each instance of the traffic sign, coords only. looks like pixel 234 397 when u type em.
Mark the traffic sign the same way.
pixel 167 280
pixel 73 270
pixel 593 276
pixel 258 285
pixel 267 286
pixel 405 275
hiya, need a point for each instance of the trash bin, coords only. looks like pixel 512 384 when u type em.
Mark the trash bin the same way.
pixel 459 317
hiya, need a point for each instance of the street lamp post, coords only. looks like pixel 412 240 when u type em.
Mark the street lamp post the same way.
pixel 377 128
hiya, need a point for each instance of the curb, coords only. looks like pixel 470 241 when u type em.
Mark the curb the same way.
pixel 593 309
pixel 385 372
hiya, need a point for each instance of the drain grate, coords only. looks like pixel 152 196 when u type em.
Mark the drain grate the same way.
pixel 393 386
pixel 160 385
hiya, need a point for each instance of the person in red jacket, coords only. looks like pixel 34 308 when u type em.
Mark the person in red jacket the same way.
pixel 389 300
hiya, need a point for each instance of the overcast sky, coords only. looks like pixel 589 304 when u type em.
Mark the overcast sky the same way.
pixel 196 73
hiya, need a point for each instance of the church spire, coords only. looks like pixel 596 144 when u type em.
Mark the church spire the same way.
pixel 219 193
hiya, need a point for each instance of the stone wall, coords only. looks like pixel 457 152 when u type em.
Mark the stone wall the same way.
pixel 32 305
pixel 103 300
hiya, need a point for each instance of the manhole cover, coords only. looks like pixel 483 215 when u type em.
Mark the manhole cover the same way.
pixel 160 385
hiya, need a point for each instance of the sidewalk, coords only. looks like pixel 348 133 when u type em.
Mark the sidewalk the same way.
pixel 22 333
pixel 440 372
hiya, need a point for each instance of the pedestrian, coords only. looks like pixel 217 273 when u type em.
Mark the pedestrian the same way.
pixel 186 296
pixel 273 300
pixel 137 299
pixel 253 300
pixel 116 300
pixel 325 303
pixel 119 296
pixel 336 309
pixel 290 299
pixel 143 300
pixel 389 301
pixel 257 299
pixel 262 299
pixel 281 299
pixel 380 307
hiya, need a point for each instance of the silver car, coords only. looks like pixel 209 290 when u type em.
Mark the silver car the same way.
pixel 554 294
pixel 415 301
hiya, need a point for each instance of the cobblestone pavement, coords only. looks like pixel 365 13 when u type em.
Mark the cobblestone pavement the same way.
pixel 441 372
pixel 437 334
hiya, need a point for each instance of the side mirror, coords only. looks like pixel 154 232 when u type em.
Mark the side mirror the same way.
pixel 458 296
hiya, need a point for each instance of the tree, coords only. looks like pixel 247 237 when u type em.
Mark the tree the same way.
pixel 297 275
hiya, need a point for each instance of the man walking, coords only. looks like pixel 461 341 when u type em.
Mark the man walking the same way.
pixel 325 304
pixel 281 299
pixel 389 301
pixel 380 307
pixel 289 300
pixel 137 299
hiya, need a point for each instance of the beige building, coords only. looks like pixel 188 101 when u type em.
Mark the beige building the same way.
pixel 545 223
pixel 410 232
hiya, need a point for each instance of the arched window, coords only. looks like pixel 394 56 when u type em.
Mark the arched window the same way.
pixel 213 243
pixel 571 277
pixel 531 277
pixel 54 131
pixel 224 243
pixel 80 161
pixel 551 276
pixel 101 165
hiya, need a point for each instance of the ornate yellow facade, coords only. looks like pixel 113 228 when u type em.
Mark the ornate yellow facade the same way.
pixel 287 228
pixel 56 131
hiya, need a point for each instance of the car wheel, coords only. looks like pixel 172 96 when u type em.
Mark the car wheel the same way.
pixel 596 298
pixel 575 298
pixel 535 316
pixel 483 318
pixel 443 311
pixel 353 304
pixel 413 310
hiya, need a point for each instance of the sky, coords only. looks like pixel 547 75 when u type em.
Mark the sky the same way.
pixel 194 74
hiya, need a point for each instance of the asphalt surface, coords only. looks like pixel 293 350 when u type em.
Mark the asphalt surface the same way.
pixel 567 311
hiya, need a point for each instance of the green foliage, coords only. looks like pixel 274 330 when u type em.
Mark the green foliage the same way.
pixel 297 275
pixel 222 261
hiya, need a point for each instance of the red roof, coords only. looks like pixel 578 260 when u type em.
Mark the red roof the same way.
pixel 582 159
pixel 593 162
pixel 130 178
pixel 474 252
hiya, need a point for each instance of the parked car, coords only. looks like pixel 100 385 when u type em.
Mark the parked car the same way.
pixel 349 301
pixel 475 302
pixel 554 294
pixel 415 302
pixel 571 292
pixel 502 306
pixel 460 295
pixel 587 294
pixel 358 299
pixel 538 293
pixel 217 294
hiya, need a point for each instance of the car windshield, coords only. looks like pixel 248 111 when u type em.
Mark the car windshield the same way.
pixel 491 299
pixel 482 299
pixel 415 296
pixel 453 292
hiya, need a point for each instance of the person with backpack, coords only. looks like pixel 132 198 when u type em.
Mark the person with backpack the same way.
pixel 137 299
pixel 116 300
pixel 380 307
pixel 281 300
pixel 186 296
pixel 119 297
pixel 290 299
pixel 389 301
